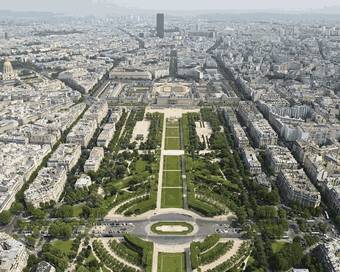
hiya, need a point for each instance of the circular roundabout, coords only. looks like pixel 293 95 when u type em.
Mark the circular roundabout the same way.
pixel 172 228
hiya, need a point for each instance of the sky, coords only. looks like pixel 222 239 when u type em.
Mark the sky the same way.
pixel 70 6
pixel 229 4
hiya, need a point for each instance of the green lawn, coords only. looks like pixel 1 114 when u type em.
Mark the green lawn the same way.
pixel 171 262
pixel 172 162
pixel 155 228
pixel 90 258
pixel 105 269
pixel 172 123
pixel 172 132
pixel 172 144
pixel 140 166
pixel 172 179
pixel 172 198
pixel 277 246
pixel 77 210
pixel 64 246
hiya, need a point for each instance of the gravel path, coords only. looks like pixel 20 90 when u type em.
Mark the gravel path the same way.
pixel 106 245
pixel 224 258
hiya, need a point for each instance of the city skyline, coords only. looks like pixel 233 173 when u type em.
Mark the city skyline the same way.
pixel 139 138
pixel 88 7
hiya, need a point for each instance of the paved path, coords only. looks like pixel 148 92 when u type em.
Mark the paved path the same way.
pixel 161 167
pixel 106 245
pixel 155 258
pixel 188 260
pixel 225 257
pixel 113 212
pixel 95 255
pixel 173 152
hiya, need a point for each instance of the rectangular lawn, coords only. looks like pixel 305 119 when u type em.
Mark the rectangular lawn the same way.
pixel 64 246
pixel 172 123
pixel 172 163
pixel 172 144
pixel 171 262
pixel 172 132
pixel 172 198
pixel 172 179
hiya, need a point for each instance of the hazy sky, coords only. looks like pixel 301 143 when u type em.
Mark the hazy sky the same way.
pixel 229 4
pixel 70 6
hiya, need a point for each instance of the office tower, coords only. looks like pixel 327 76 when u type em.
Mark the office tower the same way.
pixel 141 44
pixel 160 25
pixel 6 36
pixel 173 63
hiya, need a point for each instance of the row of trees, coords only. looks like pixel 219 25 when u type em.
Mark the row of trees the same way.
pixel 135 116
pixel 155 131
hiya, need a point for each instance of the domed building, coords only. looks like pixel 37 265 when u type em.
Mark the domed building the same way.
pixel 8 72
pixel 174 93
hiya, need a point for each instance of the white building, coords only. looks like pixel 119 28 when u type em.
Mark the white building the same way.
pixel 280 158
pixel 333 198
pixel 48 186
pixel 295 186
pixel 45 267
pixel 106 135
pixel 95 159
pixel 262 133
pixel 82 132
pixel 252 163
pixel 83 182
pixel 67 156
pixel 131 75
pixel 13 254
pixel 240 136
pixel 330 254
pixel 98 111
pixel 8 72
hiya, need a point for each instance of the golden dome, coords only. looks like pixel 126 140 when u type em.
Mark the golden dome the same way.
pixel 8 68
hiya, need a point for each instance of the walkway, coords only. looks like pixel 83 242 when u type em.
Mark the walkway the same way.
pixel 113 212
pixel 161 167
pixel 99 260
pixel 225 257
pixel 155 258
pixel 106 245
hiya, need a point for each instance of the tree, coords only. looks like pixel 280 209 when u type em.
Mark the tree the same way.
pixel 120 171
pixel 260 253
pixel 5 218
pixel 337 221
pixel 36 213
pixel 60 230
pixel 323 227
pixel 64 211
pixel 93 264
pixel 86 212
pixel 17 207
pixel 31 262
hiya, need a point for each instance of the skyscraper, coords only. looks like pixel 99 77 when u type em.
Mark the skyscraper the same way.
pixel 173 69
pixel 160 25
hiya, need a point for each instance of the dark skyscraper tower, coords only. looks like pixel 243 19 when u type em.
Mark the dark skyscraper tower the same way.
pixel 160 25
pixel 6 36
pixel 173 69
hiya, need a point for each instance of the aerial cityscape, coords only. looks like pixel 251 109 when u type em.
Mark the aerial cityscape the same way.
pixel 135 139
